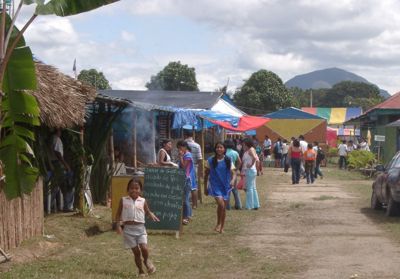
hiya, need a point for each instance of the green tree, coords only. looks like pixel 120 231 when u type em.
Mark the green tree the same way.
pixel 19 109
pixel 302 98
pixel 176 77
pixel 94 78
pixel 351 94
pixel 262 93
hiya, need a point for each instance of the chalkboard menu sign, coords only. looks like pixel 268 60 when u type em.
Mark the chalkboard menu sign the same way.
pixel 163 190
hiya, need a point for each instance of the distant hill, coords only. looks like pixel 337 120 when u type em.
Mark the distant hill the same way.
pixel 326 79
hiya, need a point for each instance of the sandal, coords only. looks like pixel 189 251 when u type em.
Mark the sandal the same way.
pixel 150 268
pixel 185 221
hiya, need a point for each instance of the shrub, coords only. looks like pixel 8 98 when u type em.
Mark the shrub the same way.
pixel 360 159
pixel 333 152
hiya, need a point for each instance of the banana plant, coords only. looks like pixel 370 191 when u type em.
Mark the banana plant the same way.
pixel 19 110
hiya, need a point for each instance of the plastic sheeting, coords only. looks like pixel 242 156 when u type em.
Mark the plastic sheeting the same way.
pixel 288 128
pixel 246 123
pixel 291 113
pixel 335 115
pixel 185 118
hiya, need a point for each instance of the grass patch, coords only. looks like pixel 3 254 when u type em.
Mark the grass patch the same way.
pixel 88 248
pixel 325 198
pixel 337 174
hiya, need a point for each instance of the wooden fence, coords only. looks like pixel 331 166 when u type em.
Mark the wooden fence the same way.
pixel 21 218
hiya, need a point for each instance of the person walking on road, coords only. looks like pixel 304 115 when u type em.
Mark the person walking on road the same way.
pixel 237 162
pixel 197 158
pixel 342 150
pixel 267 147
pixel 309 163
pixel 320 157
pixel 130 217
pixel 295 154
pixel 278 153
pixel 285 150
pixel 221 171
pixel 303 146
pixel 186 163
pixel 249 163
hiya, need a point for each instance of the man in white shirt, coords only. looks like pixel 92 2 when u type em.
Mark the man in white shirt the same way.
pixel 303 146
pixel 364 145
pixel 267 146
pixel 342 150
pixel 62 171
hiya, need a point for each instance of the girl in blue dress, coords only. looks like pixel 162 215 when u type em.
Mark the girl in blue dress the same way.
pixel 186 163
pixel 220 175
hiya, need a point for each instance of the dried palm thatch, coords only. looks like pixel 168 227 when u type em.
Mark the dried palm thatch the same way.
pixel 62 99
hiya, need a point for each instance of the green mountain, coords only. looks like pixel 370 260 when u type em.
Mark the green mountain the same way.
pixel 326 79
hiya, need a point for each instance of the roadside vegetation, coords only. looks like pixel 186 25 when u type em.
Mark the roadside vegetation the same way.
pixel 76 247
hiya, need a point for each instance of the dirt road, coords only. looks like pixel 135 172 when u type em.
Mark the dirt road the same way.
pixel 320 231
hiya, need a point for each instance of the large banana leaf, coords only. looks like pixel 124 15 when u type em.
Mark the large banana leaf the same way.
pixel 14 33
pixel 20 112
pixel 70 7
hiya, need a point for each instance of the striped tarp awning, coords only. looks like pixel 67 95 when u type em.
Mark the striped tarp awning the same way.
pixel 335 116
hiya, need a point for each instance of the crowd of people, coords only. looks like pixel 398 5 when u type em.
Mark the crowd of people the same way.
pixel 234 166
pixel 346 147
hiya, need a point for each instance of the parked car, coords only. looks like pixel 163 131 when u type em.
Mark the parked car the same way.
pixel 386 187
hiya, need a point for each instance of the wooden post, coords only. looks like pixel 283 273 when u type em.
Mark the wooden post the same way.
pixel 111 144
pixel 82 174
pixel 169 125
pixel 200 179
pixel 134 141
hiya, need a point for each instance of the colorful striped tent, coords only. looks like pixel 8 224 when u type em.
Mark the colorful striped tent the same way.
pixel 334 116
pixel 292 122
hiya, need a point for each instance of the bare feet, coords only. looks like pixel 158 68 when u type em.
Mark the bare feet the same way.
pixel 217 228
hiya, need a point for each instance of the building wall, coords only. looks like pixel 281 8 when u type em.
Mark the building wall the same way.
pixel 21 218
pixel 390 144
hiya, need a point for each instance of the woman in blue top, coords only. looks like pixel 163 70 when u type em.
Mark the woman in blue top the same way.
pixel 220 176
pixel 186 163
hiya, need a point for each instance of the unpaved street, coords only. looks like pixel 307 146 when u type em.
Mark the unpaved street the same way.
pixel 320 231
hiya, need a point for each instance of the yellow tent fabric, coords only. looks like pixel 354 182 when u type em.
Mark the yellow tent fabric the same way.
pixel 288 128
pixel 338 115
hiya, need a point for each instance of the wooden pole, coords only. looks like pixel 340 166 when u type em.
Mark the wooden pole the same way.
pixel 169 125
pixel 82 172
pixel 134 140
pixel 200 179
pixel 111 146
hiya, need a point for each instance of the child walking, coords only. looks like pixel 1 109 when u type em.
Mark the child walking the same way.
pixel 186 163
pixel 220 170
pixel 309 163
pixel 131 215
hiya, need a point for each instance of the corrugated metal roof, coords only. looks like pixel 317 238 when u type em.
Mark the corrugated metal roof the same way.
pixel 391 103
pixel 166 99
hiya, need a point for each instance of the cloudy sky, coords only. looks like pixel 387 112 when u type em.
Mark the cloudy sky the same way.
pixel 227 39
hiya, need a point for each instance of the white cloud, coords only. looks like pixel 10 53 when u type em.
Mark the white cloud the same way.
pixel 288 37
pixel 294 36
pixel 127 36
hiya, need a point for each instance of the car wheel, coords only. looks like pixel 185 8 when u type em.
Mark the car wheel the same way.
pixel 392 208
pixel 375 203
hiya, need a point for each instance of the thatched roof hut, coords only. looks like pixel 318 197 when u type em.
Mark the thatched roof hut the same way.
pixel 62 99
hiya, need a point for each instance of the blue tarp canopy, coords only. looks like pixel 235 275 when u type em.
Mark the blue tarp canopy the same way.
pixel 291 113
pixel 187 118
